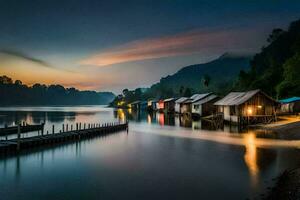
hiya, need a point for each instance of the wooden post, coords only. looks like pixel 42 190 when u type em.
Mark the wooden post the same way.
pixel 19 136
pixel 84 126
pixel 42 131
pixel 80 126
pixel 76 126
pixel 67 127
pixel 63 127
pixel 53 129
pixel 71 127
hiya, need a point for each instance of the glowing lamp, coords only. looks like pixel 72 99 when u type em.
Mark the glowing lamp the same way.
pixel 249 111
pixel 259 106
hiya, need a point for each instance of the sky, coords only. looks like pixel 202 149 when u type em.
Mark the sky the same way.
pixel 111 45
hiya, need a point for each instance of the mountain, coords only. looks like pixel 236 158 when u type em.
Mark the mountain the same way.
pixel 105 97
pixel 215 76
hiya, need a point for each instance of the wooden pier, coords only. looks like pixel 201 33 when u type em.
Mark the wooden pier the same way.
pixel 24 128
pixel 89 131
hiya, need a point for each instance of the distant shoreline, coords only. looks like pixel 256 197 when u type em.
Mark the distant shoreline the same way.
pixel 54 105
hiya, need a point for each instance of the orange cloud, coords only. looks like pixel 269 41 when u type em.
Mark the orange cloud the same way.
pixel 196 41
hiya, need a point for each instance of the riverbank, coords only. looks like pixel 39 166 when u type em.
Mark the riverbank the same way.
pixel 287 127
pixel 287 186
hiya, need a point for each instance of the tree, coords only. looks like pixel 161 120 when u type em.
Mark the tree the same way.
pixel 15 93
pixel 18 82
pixel 5 80
pixel 181 91
pixel 290 86
pixel 206 80
pixel 275 35
pixel 125 92
pixel 138 93
pixel 187 92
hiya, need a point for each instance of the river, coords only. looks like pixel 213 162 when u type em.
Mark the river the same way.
pixel 161 157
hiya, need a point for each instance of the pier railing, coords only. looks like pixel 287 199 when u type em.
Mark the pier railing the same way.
pixel 66 133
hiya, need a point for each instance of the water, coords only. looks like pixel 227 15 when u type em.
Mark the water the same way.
pixel 162 157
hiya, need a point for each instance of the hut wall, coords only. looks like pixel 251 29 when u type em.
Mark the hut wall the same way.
pixel 293 107
pixel 154 105
pixel 208 108
pixel 177 107
pixel 257 105
pixel 230 113
pixel 160 105
pixel 170 106
pixel 186 108
pixel 197 109
pixel 296 107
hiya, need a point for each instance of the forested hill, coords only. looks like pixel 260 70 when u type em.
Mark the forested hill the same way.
pixel 276 69
pixel 16 93
pixel 215 76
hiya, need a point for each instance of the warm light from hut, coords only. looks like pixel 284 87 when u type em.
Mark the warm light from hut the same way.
pixel 121 115
pixel 249 111
pixel 259 106
pixel 250 156
pixel 161 119
pixel 161 104
pixel 120 103
pixel 149 119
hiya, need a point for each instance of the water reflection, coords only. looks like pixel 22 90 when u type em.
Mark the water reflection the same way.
pixel 196 153
pixel 56 116
pixel 11 118
pixel 163 119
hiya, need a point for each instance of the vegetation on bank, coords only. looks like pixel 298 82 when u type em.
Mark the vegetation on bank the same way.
pixel 17 93
pixel 275 70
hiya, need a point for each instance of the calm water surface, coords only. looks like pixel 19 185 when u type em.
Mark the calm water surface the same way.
pixel 162 157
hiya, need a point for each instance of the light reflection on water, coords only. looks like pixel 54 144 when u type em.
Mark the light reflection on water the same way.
pixel 162 157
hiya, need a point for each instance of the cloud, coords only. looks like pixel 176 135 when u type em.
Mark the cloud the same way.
pixel 25 57
pixel 190 42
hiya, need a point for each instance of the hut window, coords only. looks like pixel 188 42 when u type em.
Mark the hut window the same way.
pixel 232 110
pixel 196 107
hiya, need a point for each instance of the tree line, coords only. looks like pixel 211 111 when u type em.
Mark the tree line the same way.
pixel 17 93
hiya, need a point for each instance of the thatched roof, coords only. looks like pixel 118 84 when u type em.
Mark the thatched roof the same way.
pixel 181 100
pixel 238 98
pixel 169 99
pixel 205 100
pixel 198 97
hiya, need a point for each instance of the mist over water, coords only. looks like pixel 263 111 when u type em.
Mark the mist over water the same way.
pixel 162 157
